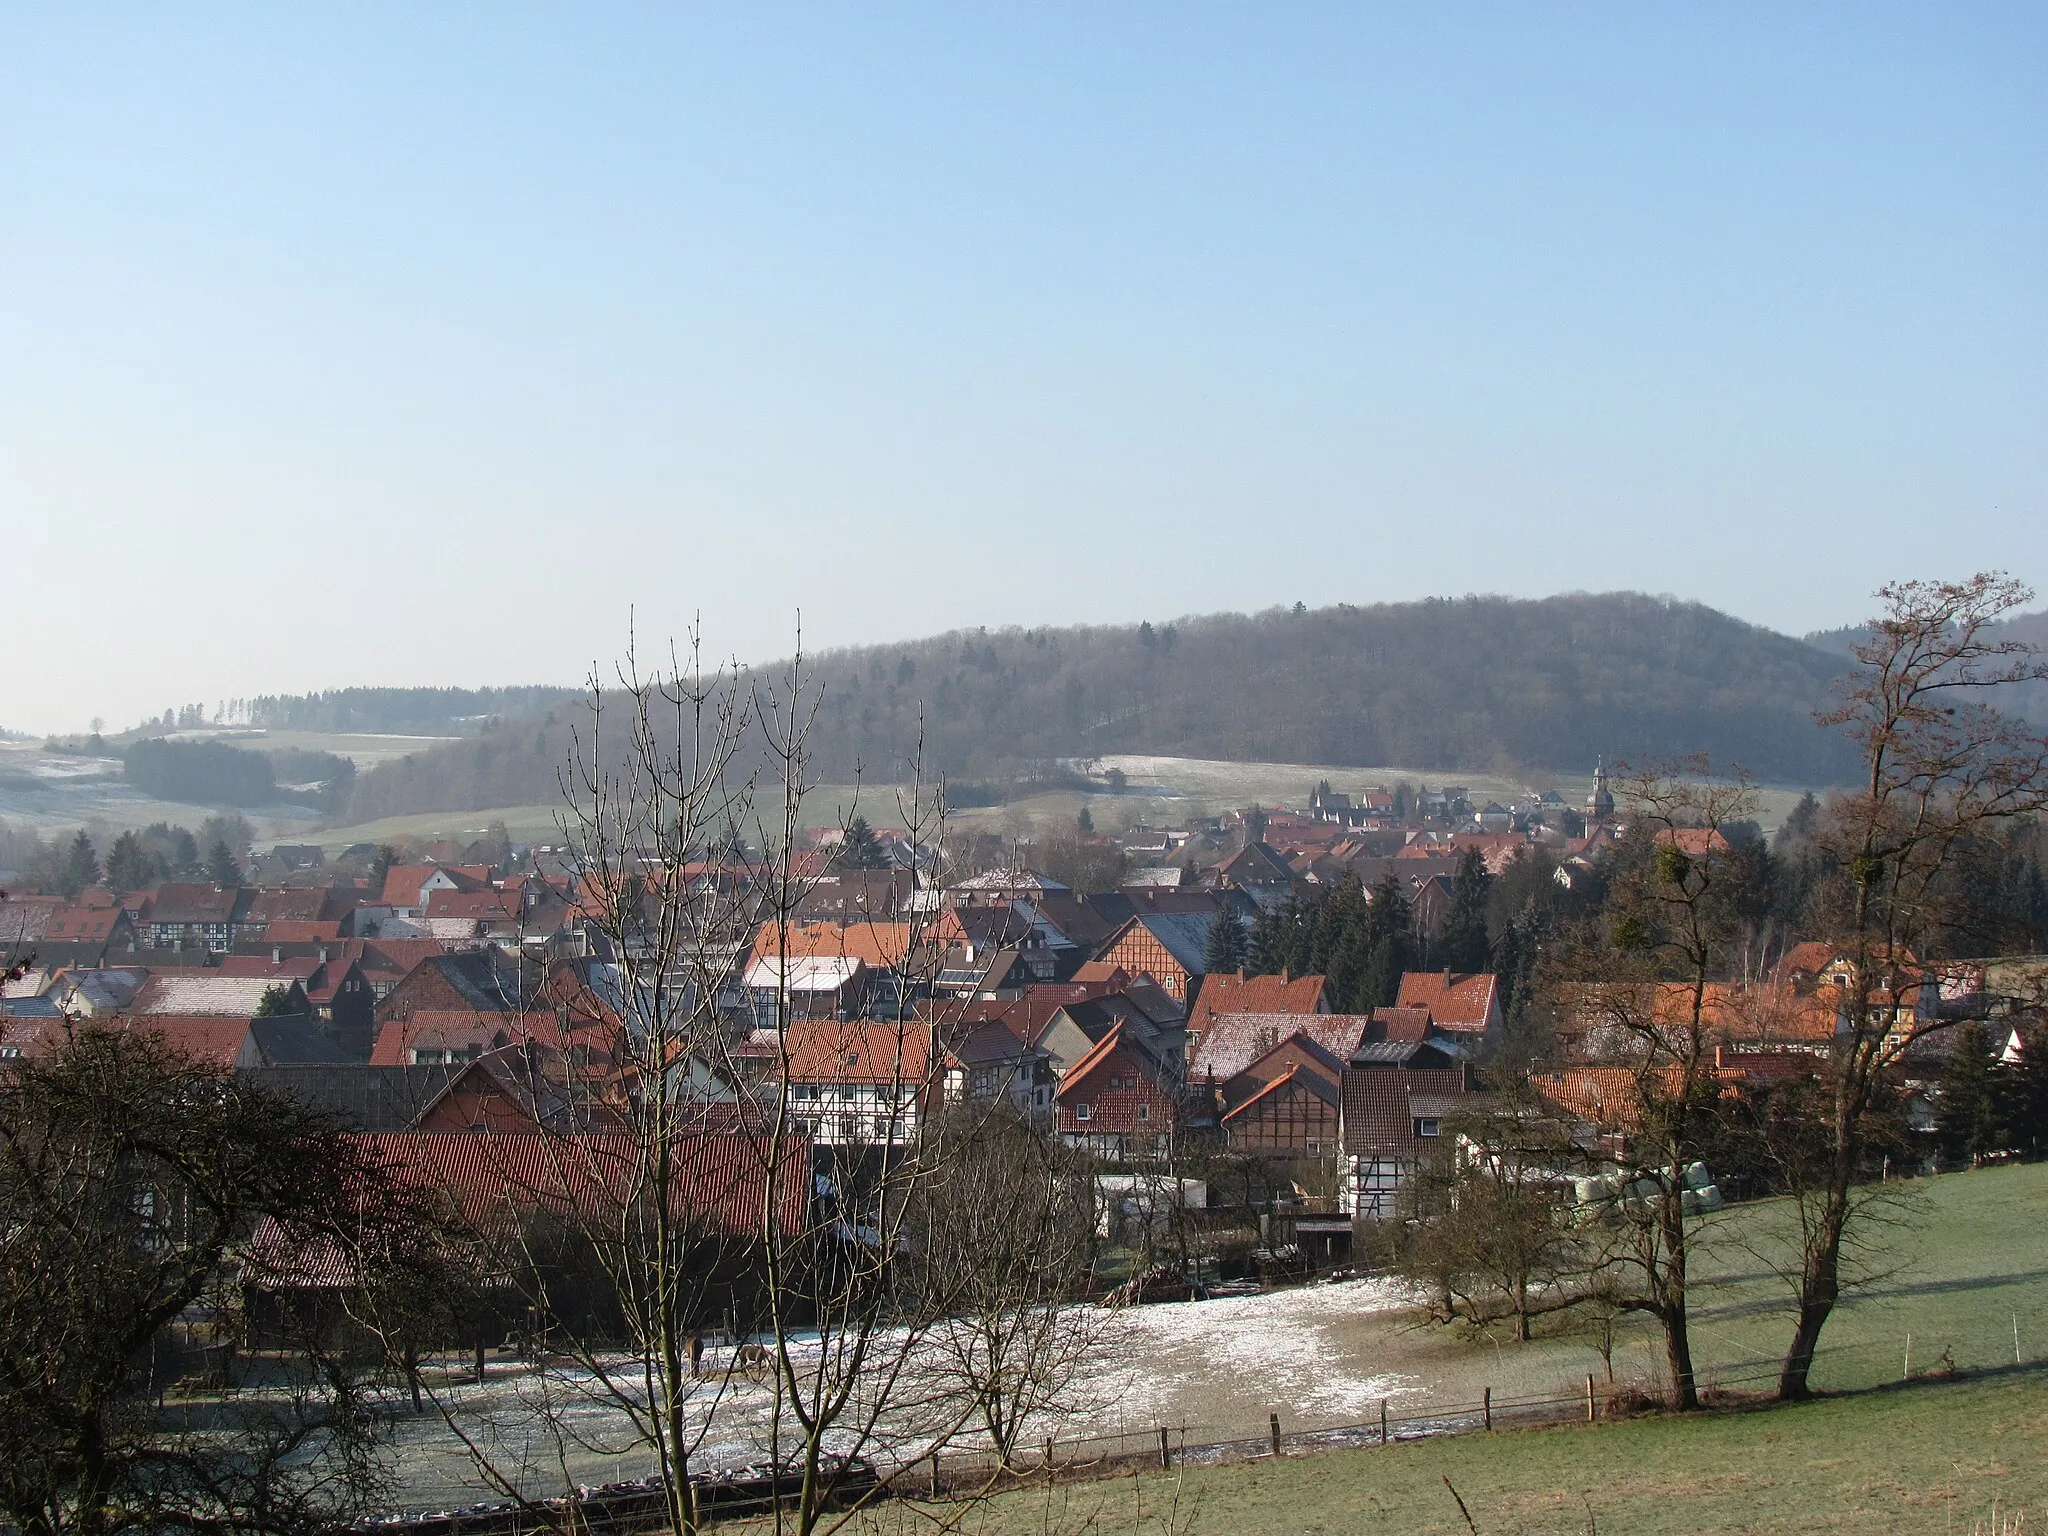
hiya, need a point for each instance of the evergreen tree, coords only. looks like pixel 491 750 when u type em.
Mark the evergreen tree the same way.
pixel 81 865
pixel 860 849
pixel 1224 949
pixel 175 849
pixel 131 866
pixel 1085 821
pixel 1462 943
pixel 1390 946
pixel 1266 953
pixel 275 1002
pixel 2027 1094
pixel 221 867
pixel 1966 1120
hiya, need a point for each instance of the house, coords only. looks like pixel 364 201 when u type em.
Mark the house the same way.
pixel 1235 1041
pixel 23 921
pixel 1156 877
pixel 811 986
pixel 187 916
pixel 1261 872
pixel 1275 1080
pixel 209 993
pixel 455 1005
pixel 966 972
pixel 857 1083
pixel 726 1183
pixel 1294 1114
pixel 1398 1092
pixel 854 895
pixel 1119 1101
pixel 1239 993
pixel 359 1097
pixel 1167 946
pixel 1458 1000
pixel 1003 885
pixel 398 910
pixel 1075 1029
pixel 985 1061
pixel 95 924
pixel 96 993
pixel 336 990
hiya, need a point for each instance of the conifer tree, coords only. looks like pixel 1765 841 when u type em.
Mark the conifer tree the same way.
pixel 221 867
pixel 1223 950
pixel 1266 952
pixel 1966 1121
pixel 131 866
pixel 81 865
pixel 1462 942
pixel 861 849
pixel 2027 1094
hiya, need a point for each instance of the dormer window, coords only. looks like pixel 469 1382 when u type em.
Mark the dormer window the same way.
pixel 1428 1126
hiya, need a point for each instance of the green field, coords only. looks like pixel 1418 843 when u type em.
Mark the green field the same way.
pixel 1960 1263
pixel 1931 1457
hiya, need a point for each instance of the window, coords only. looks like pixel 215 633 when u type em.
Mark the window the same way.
pixel 1080 1111
pixel 1427 1126
pixel 1144 1111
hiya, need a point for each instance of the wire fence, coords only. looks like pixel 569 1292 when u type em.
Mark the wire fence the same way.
pixel 1184 1444
pixel 955 1473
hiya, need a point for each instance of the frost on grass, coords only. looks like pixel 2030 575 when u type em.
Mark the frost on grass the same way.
pixel 1176 1363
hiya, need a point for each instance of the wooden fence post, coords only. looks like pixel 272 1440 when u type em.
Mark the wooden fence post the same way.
pixel 1486 1405
pixel 1165 1450
pixel 1589 1397
pixel 1383 1421
pixel 1273 1421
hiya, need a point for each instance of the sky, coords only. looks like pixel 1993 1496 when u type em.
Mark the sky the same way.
pixel 448 344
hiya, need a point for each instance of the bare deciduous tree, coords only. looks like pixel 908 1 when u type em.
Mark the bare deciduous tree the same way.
pixel 1009 1220
pixel 1671 925
pixel 1940 766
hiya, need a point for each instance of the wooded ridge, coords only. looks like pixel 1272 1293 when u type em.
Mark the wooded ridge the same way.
pixel 1438 685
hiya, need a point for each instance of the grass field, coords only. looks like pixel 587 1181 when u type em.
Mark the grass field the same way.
pixel 1930 1457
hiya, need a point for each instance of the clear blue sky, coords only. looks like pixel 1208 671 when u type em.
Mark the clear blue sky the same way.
pixel 415 344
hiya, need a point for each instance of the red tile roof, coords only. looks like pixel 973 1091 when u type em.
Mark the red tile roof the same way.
pixel 1239 993
pixel 1455 1000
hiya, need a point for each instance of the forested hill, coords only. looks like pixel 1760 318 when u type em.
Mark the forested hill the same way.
pixel 1439 685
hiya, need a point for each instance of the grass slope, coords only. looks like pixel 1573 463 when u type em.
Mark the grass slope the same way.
pixel 1930 1457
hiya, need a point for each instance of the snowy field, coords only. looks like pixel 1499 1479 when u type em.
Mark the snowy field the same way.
pixel 1207 1370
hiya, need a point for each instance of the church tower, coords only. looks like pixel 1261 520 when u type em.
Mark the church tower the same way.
pixel 1600 804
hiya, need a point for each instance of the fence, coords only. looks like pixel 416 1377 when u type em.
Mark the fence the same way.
pixel 1186 1445
pixel 621 1509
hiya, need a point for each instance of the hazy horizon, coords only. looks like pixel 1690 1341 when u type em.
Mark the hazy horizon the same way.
pixel 113 725
pixel 415 348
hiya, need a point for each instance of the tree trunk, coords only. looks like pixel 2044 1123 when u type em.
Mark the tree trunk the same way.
pixel 1820 1286
pixel 1685 1394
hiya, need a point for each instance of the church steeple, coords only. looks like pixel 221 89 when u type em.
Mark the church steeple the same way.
pixel 1600 804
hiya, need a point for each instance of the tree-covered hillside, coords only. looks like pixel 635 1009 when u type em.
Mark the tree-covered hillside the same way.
pixel 1440 685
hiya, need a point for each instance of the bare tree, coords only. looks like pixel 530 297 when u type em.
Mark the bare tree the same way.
pixel 1672 925
pixel 1518 1250
pixel 1009 1218
pixel 681 1174
pixel 1940 766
